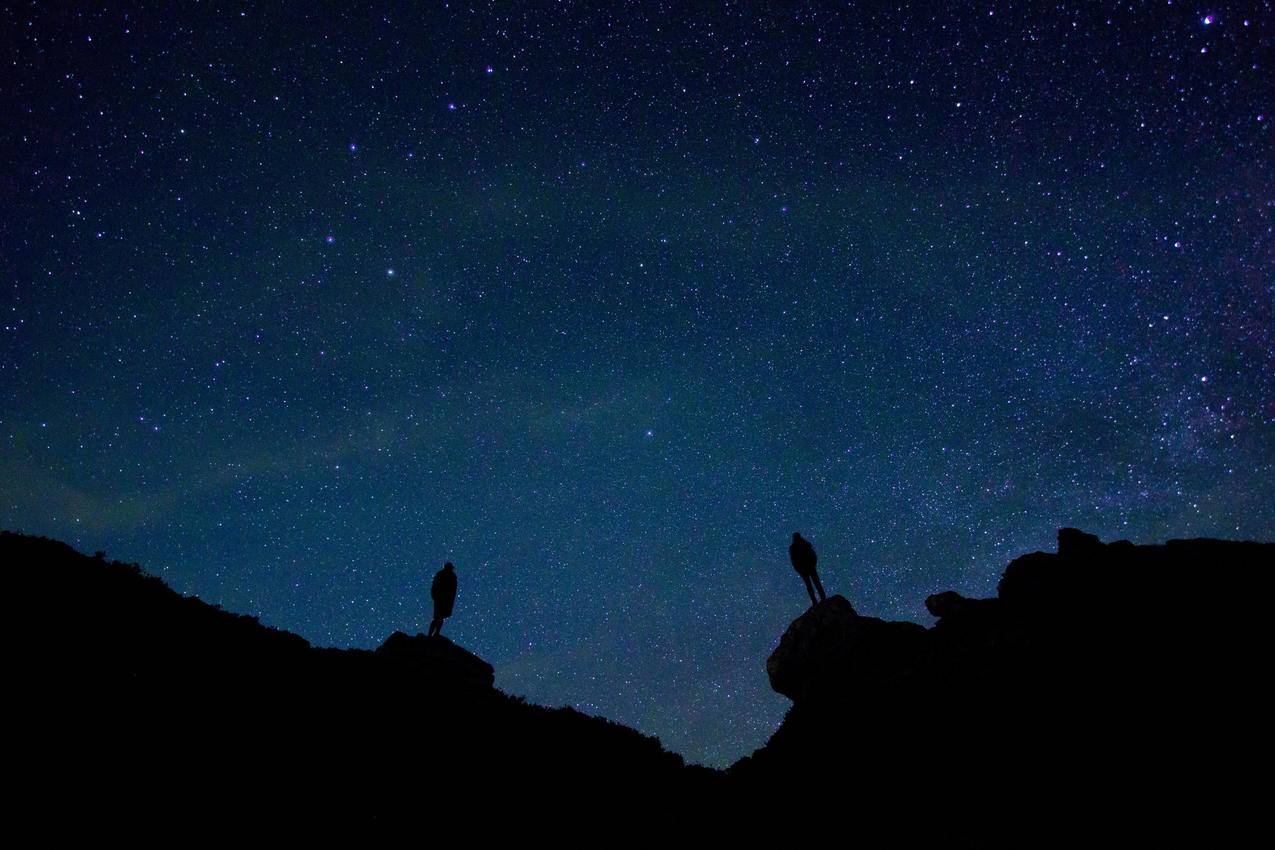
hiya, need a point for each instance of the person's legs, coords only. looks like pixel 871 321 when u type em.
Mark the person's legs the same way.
pixel 435 626
pixel 810 589
pixel 815 575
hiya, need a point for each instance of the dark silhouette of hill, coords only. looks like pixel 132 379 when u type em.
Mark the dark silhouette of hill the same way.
pixel 1108 692
pixel 138 696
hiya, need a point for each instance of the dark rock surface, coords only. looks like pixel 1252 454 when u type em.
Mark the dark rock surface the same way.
pixel 831 640
pixel 1105 693
pixel 1112 599
pixel 946 603
pixel 438 657
pixel 1105 683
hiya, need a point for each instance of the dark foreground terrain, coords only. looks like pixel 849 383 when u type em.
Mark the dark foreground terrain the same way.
pixel 1109 693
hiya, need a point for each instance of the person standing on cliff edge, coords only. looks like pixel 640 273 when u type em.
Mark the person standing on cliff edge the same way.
pixel 803 558
pixel 443 592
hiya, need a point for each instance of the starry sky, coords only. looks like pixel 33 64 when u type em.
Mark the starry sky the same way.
pixel 603 301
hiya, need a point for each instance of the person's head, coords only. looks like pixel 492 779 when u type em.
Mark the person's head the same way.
pixel 796 535
pixel 448 566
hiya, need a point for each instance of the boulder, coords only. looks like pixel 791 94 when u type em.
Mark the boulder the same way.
pixel 830 644
pixel 438 657
pixel 1045 582
pixel 947 603
pixel 1030 579
pixel 1073 542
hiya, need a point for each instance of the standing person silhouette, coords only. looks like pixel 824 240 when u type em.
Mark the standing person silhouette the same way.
pixel 803 558
pixel 443 592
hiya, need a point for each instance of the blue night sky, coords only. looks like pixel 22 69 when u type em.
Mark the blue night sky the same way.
pixel 601 302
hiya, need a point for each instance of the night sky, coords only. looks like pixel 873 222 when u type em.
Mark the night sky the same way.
pixel 602 302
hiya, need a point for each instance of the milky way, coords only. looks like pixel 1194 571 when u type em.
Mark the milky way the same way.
pixel 602 302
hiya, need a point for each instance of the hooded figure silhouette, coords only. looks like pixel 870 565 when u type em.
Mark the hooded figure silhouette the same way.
pixel 803 558
pixel 443 592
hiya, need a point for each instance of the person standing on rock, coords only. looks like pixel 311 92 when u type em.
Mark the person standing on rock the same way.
pixel 803 558
pixel 443 592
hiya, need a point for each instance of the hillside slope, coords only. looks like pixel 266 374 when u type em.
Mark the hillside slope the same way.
pixel 1107 693
pixel 142 694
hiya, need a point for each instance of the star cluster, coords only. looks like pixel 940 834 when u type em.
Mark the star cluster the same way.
pixel 601 302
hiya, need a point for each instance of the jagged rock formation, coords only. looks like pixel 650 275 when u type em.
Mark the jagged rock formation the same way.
pixel 1105 686
pixel 1122 676
pixel 1116 600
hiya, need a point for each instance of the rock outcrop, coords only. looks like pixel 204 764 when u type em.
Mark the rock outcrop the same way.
pixel 1101 675
pixel 831 640
pixel 1090 606
pixel 1103 678
pixel 439 658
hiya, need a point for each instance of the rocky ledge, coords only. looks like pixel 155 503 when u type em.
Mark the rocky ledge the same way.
pixel 437 657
